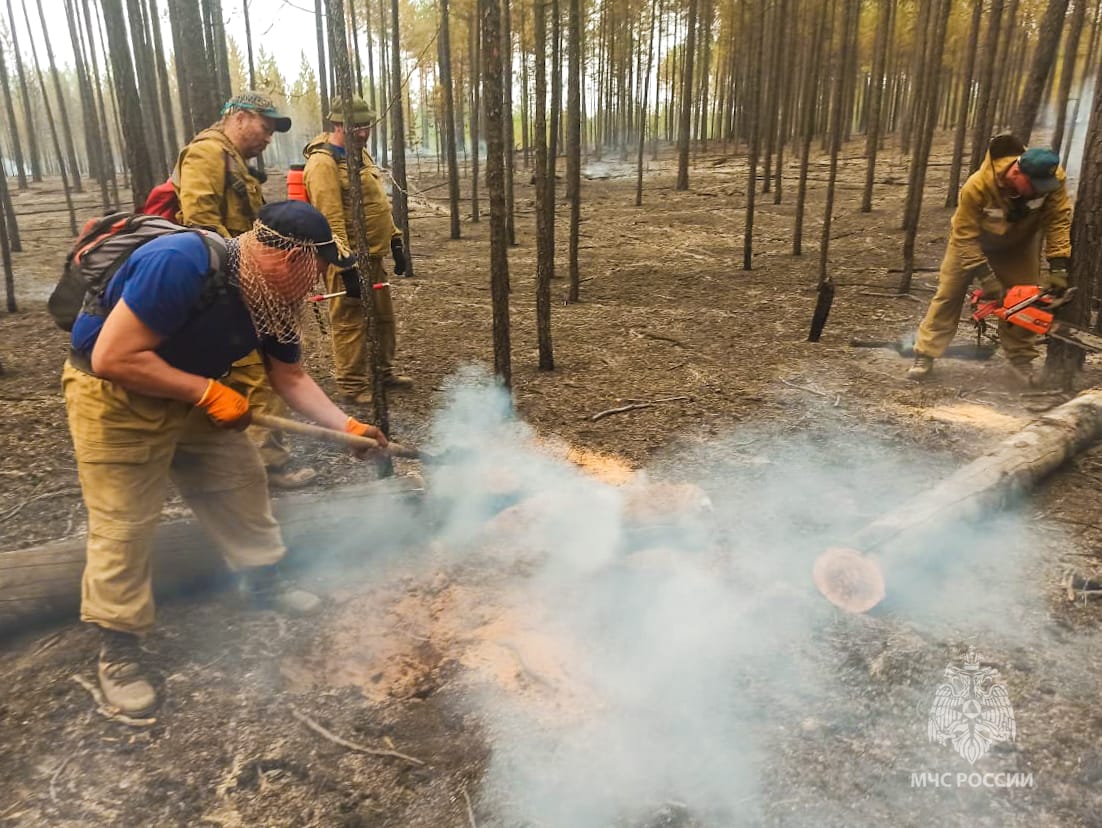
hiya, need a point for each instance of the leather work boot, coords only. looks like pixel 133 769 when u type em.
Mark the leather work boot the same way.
pixel 921 368
pixel 264 588
pixel 284 479
pixel 121 677
pixel 398 382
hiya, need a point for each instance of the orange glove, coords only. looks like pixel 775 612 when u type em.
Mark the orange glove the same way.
pixel 354 426
pixel 225 407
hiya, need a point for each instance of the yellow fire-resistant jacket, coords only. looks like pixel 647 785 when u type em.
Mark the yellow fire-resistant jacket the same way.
pixel 214 185
pixel 326 179
pixel 985 220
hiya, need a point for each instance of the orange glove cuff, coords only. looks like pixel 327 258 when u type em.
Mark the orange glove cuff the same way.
pixel 222 404
pixel 354 426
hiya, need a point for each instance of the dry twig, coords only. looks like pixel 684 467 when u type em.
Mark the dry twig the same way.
pixel 470 810
pixel 600 415
pixel 889 295
pixel 805 388
pixel 337 740
pixel 54 777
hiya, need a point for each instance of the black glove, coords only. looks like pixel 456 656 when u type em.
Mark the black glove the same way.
pixel 399 254
pixel 351 279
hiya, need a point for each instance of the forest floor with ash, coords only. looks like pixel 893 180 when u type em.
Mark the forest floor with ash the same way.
pixel 719 388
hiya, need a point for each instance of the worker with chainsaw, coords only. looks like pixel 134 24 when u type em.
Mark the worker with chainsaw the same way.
pixel 326 184
pixel 1013 205
pixel 146 404
pixel 218 190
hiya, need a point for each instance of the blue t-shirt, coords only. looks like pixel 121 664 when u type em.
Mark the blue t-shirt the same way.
pixel 162 283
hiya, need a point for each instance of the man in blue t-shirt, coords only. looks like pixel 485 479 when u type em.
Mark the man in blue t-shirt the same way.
pixel 146 406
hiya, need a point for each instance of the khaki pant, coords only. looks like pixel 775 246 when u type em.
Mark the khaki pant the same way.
pixel 248 378
pixel 1020 266
pixel 128 446
pixel 346 319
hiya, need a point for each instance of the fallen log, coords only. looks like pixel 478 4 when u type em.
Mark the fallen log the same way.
pixel 983 487
pixel 42 583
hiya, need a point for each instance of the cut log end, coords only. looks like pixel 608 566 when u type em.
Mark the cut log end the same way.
pixel 848 579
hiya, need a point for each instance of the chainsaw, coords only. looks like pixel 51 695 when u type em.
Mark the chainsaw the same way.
pixel 1033 308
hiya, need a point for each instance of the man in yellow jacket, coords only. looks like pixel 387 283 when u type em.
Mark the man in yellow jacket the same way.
pixel 218 190
pixel 1014 202
pixel 326 180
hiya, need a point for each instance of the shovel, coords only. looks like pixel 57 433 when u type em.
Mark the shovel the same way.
pixel 343 438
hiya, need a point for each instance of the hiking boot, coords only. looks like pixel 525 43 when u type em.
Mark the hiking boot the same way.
pixel 398 382
pixel 124 683
pixel 921 369
pixel 1021 371
pixel 264 588
pixel 284 479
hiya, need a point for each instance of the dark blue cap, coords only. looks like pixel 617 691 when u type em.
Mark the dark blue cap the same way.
pixel 1040 165
pixel 302 222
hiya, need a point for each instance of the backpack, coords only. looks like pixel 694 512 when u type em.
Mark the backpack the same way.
pixel 162 201
pixel 101 249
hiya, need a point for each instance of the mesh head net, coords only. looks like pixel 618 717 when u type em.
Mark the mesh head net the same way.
pixel 276 273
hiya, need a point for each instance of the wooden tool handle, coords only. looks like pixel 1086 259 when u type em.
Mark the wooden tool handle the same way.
pixel 330 435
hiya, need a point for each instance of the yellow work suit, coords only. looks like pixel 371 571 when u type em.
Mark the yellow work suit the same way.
pixel 989 228
pixel 128 446
pixel 216 190
pixel 326 180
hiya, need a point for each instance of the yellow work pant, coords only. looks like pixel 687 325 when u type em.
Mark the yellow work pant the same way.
pixel 349 331
pixel 1020 266
pixel 128 446
pixel 248 378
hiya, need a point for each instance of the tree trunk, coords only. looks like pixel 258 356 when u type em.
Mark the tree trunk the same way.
pixel 92 142
pixel 826 280
pixel 642 109
pixel 25 94
pixel 401 186
pixel 42 583
pixel 545 205
pixel 130 111
pixel 556 94
pixel 876 98
pixel 507 121
pixel 1087 63
pixel 493 97
pixel 323 73
pixel 1063 360
pixel 13 129
pixel 53 127
pixel 385 103
pixel 1048 43
pixel 187 121
pixel 476 105
pixel 5 251
pixel 963 107
pixel 147 88
pixel 754 95
pixel 63 110
pixel 931 86
pixel 574 138
pixel 809 102
pixel 981 134
pixel 172 137
pixel 104 127
pixel 445 58
pixel 686 101
pixel 202 93
pixel 1067 72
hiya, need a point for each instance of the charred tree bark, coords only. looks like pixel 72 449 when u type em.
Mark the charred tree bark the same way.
pixel 202 92
pixel 1048 43
pixel 574 139
pixel 876 98
pixel 130 111
pixel 168 119
pixel 401 186
pixel 1063 360
pixel 754 94
pixel 445 57
pixel 686 112
pixel 146 77
pixel 642 107
pixel 323 71
pixel 13 129
pixel 493 81
pixel 819 38
pixel 1067 72
pixel 507 121
pixel 7 221
pixel 963 107
pixel 92 142
pixel 25 95
pixel 63 110
pixel 476 105
pixel 545 205
pixel 985 117
pixel 104 127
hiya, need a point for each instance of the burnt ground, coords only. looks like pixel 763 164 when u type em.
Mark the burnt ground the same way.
pixel 666 312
